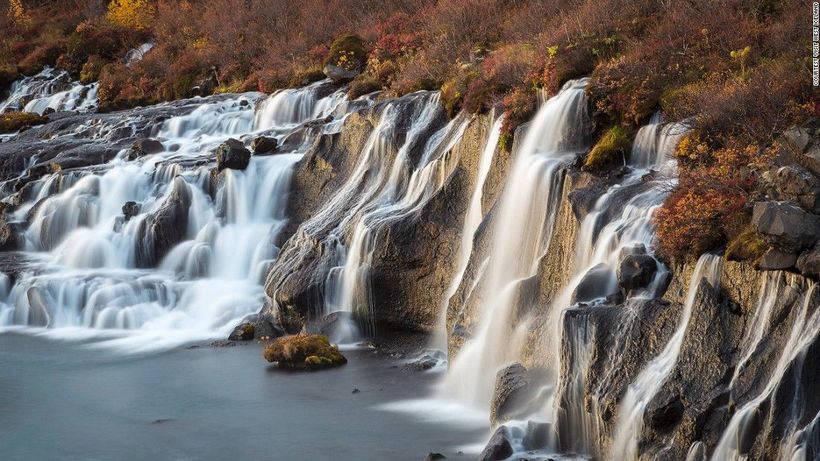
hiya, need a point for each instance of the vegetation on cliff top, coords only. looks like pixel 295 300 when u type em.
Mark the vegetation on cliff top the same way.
pixel 736 69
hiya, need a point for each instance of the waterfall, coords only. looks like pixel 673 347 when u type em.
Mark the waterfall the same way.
pixel 50 89
pixel 654 375
pixel 523 233
pixel 472 219
pixel 89 278
pixel 735 443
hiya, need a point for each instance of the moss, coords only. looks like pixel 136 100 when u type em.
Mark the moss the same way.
pixel 611 149
pixel 91 69
pixel 306 77
pixel 304 352
pixel 11 122
pixel 746 246
pixel 347 52
pixel 363 85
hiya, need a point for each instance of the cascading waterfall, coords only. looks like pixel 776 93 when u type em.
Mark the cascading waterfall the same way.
pixel 50 89
pixel 87 257
pixel 733 444
pixel 524 230
pixel 472 219
pixel 654 375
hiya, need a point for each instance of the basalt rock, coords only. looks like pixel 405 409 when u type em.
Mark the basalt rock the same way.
pixel 232 154
pixel 786 226
pixel 516 393
pixel 264 145
pixel 130 209
pixel 245 331
pixel 636 271
pixel 499 446
pixel 796 184
pixel 809 262
pixel 144 147
pixel 163 229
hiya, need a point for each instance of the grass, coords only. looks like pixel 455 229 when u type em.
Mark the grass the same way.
pixel 11 122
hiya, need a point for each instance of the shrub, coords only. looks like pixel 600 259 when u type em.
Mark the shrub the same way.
pixel 519 106
pixel 133 14
pixel 43 55
pixel 306 77
pixel 363 85
pixel 91 69
pixel 11 122
pixel 303 351
pixel 8 74
pixel 611 149
pixel 347 52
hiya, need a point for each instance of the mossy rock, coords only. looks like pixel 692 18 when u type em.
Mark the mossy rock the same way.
pixel 611 149
pixel 746 246
pixel 11 122
pixel 305 77
pixel 348 53
pixel 304 352
pixel 363 85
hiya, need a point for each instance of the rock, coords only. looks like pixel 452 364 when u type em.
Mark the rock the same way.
pixel 243 332
pixel 130 209
pixel 434 456
pixel 499 446
pixel 774 259
pixel 799 144
pixel 264 145
pixel 516 393
pixel 538 435
pixel 163 229
pixel 636 271
pixel 339 74
pixel 796 184
pixel 144 147
pixel 304 351
pixel 232 154
pixel 809 262
pixel 265 325
pixel 8 238
pixel 785 225
pixel 597 283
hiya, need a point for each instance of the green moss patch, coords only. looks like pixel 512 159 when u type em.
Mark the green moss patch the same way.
pixel 11 122
pixel 610 150
pixel 347 52
pixel 746 246
pixel 304 352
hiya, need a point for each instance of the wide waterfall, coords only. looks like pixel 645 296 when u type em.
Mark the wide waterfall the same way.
pixel 91 272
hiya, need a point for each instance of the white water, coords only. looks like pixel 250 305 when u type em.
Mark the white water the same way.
pixel 50 89
pixel 523 233
pixel 654 375
pixel 87 283
pixel 804 331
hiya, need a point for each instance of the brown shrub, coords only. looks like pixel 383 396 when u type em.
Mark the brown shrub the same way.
pixel 11 122
pixel 303 351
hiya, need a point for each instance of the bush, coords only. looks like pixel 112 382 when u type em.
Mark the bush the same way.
pixel 347 52
pixel 133 14
pixel 519 107
pixel 91 69
pixel 306 77
pixel 610 150
pixel 363 85
pixel 303 351
pixel 11 122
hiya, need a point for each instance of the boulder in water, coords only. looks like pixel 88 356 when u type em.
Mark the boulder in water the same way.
pixel 264 145
pixel 232 154
pixel 245 331
pixel 8 238
pixel 434 457
pixel 144 147
pixel 516 393
pixel 786 225
pixel 304 352
pixel 130 209
pixel 597 283
pixel 636 271
pixel 163 229
pixel 499 446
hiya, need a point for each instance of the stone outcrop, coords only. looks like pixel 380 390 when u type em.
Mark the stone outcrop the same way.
pixel 162 229
pixel 232 154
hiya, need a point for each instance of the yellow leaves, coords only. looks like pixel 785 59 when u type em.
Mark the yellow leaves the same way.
pixel 133 14
pixel 18 13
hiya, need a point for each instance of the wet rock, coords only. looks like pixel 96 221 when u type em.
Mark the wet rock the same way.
pixel 774 259
pixel 663 414
pixel 243 332
pixel 38 301
pixel 266 326
pixel 434 456
pixel 130 209
pixel 499 446
pixel 597 283
pixel 809 262
pixel 163 229
pixel 339 74
pixel 144 147
pixel 516 393
pixel 785 225
pixel 263 145
pixel 636 271
pixel 8 238
pixel 304 352
pixel 427 360
pixel 232 154
pixel 538 435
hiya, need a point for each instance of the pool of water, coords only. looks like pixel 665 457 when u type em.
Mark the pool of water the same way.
pixel 70 401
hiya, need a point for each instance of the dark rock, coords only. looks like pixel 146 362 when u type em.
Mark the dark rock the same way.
pixel 339 74
pixel 163 229
pixel 243 332
pixel 516 393
pixel 434 456
pixel 130 209
pixel 538 435
pixel 355 390
pixel 664 416
pixel 499 446
pixel 794 183
pixel 809 262
pixel 264 145
pixel 774 259
pixel 266 326
pixel 8 238
pixel 785 225
pixel 232 154
pixel 636 271
pixel 800 145
pixel 144 147
pixel 597 283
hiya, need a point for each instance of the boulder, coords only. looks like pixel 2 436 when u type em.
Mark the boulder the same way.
pixel 597 283
pixel 232 154
pixel 774 259
pixel 339 74
pixel 516 393
pixel 809 262
pixel 243 332
pixel 786 225
pixel 144 147
pixel 794 183
pixel 636 271
pixel 304 352
pixel 163 229
pixel 499 446
pixel 266 326
pixel 434 457
pixel 263 145
pixel 130 209
pixel 8 238
pixel 799 145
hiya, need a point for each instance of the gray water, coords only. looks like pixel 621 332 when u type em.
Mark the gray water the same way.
pixel 68 401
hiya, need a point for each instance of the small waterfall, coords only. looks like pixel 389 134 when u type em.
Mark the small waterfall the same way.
pixel 136 54
pixel 90 279
pixel 736 440
pixel 472 219
pixel 50 89
pixel 652 378
pixel 524 229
